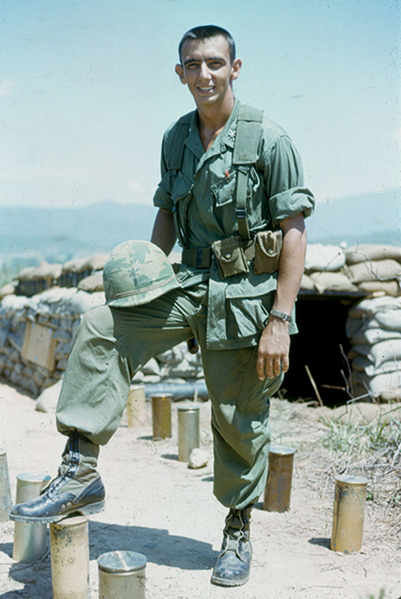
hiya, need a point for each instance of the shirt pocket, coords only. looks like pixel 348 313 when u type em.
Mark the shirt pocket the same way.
pixel 248 305
pixel 223 192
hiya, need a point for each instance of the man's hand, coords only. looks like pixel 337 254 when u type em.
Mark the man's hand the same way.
pixel 274 347
pixel 274 344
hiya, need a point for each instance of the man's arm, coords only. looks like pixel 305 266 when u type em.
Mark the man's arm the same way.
pixel 274 344
pixel 163 234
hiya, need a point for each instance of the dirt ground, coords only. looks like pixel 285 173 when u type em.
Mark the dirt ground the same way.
pixel 157 506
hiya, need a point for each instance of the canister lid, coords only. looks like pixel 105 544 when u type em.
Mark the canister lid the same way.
pixel 161 395
pixel 351 480
pixel 282 450
pixel 189 407
pixel 29 477
pixel 121 561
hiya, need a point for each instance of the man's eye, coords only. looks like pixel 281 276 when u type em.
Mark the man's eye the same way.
pixel 215 65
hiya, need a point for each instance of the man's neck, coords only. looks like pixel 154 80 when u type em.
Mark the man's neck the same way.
pixel 212 121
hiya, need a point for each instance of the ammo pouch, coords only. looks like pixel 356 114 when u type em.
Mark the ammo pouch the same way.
pixel 230 257
pixel 268 246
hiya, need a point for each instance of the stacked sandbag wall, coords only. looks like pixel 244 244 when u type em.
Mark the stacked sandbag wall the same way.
pixel 35 279
pixel 375 268
pixel 57 312
pixel 367 269
pixel 374 324
pixel 374 328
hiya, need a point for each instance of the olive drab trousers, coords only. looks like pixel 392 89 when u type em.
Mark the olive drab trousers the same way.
pixel 112 344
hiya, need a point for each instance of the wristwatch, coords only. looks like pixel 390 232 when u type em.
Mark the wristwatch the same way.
pixel 282 315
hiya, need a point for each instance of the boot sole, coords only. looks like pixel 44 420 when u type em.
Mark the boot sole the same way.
pixel 224 582
pixel 85 510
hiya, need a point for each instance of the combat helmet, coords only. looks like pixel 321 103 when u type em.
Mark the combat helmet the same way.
pixel 135 273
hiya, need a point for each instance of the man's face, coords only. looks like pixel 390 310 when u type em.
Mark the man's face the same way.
pixel 207 70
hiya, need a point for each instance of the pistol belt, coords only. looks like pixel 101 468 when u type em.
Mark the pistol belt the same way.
pixel 202 257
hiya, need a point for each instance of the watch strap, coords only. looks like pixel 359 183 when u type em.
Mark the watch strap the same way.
pixel 282 315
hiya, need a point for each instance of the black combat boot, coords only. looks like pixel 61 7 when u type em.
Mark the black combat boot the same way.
pixel 78 487
pixel 234 562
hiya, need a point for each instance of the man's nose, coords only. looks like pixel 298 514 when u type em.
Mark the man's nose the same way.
pixel 204 72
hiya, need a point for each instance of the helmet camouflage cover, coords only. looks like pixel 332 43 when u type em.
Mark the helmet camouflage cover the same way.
pixel 135 273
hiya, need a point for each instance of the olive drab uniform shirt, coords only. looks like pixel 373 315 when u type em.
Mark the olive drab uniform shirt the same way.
pixel 203 192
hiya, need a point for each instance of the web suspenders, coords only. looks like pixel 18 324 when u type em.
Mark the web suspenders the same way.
pixel 175 162
pixel 244 156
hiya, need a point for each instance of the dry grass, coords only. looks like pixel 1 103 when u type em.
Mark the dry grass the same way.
pixel 372 450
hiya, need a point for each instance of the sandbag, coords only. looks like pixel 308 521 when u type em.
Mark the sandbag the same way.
pixel 92 283
pixel 183 370
pixel 76 265
pixel 379 352
pixel 368 251
pixel 335 281
pixel 95 262
pixel 81 302
pixel 46 271
pixel 387 287
pixel 47 400
pixel 7 289
pixel 384 384
pixel 363 364
pixel 372 306
pixel 307 283
pixel 13 303
pixel 374 270
pixel 152 367
pixel 324 257
pixel 366 335
pixel 51 296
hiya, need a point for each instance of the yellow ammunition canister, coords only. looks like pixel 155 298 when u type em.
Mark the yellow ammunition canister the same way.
pixel 5 490
pixel 188 431
pixel 69 552
pixel 277 494
pixel 136 407
pixel 29 537
pixel 348 513
pixel 161 415
pixel 122 575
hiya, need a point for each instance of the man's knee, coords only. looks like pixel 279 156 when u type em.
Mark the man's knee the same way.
pixel 97 322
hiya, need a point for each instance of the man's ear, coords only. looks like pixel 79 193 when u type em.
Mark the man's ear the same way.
pixel 180 72
pixel 235 68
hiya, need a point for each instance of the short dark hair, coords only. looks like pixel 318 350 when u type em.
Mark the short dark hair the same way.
pixel 206 32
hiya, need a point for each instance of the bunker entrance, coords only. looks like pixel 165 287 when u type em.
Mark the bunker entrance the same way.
pixel 320 347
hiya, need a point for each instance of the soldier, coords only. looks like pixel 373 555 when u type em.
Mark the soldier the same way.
pixel 232 192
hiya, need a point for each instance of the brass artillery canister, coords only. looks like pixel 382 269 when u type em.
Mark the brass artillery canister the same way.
pixel 29 537
pixel 122 575
pixel 136 407
pixel 188 431
pixel 161 415
pixel 5 490
pixel 278 485
pixel 69 551
pixel 348 514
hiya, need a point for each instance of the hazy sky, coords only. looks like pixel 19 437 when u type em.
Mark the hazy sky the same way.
pixel 87 88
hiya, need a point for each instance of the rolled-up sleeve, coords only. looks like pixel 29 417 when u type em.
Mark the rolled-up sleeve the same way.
pixel 162 197
pixel 284 182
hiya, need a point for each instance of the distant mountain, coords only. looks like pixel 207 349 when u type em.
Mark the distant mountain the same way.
pixel 60 234
pixel 74 231
pixel 369 218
